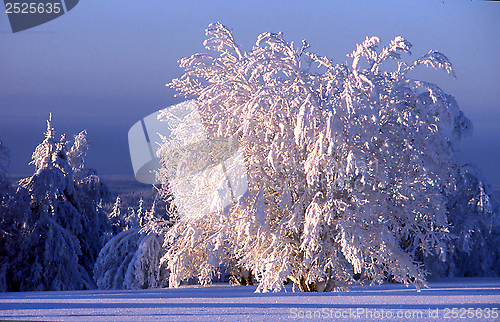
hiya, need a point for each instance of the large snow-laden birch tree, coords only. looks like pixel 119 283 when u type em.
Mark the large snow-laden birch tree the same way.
pixel 348 165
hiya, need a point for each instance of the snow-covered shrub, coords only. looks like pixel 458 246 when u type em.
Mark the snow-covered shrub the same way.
pixel 131 260
pixel 114 259
pixel 145 270
pixel 348 167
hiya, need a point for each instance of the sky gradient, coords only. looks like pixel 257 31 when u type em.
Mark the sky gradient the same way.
pixel 104 65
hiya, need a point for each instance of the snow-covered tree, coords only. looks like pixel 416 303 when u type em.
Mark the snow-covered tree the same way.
pixel 5 223
pixel 92 193
pixel 474 216
pixel 131 259
pixel 115 216
pixel 132 219
pixel 64 225
pixel 150 215
pixel 349 168
pixel 13 205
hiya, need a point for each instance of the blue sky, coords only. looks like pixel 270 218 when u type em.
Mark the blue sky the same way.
pixel 104 65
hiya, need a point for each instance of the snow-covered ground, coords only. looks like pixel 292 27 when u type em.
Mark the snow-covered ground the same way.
pixel 466 299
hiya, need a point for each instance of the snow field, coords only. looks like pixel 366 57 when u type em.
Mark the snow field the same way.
pixel 474 299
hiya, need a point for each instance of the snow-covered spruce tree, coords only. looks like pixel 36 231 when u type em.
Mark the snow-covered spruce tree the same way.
pixel 92 194
pixel 129 219
pixel 116 217
pixel 348 166
pixel 65 226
